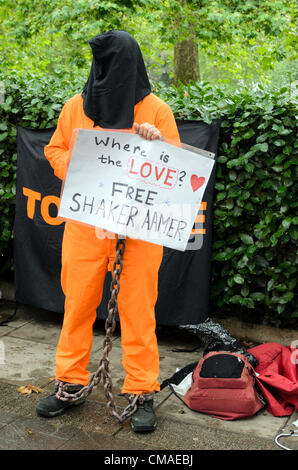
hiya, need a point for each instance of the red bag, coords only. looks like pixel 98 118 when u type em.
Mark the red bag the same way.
pixel 277 377
pixel 223 386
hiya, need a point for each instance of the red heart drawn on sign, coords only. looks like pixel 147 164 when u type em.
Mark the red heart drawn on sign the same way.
pixel 196 182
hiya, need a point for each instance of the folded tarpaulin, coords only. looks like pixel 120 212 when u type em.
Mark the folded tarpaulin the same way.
pixel 277 377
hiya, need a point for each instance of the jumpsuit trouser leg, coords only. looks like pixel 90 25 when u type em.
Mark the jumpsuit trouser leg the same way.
pixel 84 266
pixel 136 302
pixel 85 260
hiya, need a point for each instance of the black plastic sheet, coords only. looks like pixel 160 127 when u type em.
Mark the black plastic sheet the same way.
pixel 214 337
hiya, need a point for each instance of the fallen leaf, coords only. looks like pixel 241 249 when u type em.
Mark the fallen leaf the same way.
pixel 27 389
pixel 29 431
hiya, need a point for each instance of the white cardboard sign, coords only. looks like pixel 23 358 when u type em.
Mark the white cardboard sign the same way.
pixel 149 190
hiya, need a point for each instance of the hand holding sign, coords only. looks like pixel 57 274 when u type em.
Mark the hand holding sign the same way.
pixel 148 131
pixel 145 189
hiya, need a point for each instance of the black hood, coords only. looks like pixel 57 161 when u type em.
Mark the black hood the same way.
pixel 118 80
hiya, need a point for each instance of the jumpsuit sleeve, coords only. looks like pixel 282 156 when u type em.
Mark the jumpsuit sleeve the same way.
pixel 166 123
pixel 57 150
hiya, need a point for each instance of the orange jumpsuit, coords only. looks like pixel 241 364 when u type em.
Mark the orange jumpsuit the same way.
pixel 85 260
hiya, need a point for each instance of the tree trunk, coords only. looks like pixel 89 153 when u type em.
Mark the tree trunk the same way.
pixel 186 62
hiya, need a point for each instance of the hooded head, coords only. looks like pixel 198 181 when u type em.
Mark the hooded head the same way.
pixel 118 80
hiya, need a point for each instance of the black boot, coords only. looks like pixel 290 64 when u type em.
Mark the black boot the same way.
pixel 144 418
pixel 51 406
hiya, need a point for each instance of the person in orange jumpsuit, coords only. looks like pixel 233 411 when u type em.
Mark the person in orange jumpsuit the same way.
pixel 117 95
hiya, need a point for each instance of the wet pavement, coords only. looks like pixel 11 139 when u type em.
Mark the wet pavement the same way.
pixel 28 343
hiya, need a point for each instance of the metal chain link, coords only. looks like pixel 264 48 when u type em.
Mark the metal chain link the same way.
pixel 68 392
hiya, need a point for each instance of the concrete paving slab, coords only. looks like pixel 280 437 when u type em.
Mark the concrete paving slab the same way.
pixel 45 326
pixel 263 424
pixel 48 332
pixel 27 361
pixel 15 404
pixel 92 416
pixel 32 361
pixel 37 331
pixel 293 421
pixel 289 441
pixel 90 427
pixel 31 434
pixel 30 344
pixel 177 435
pixel 5 330
pixel 22 429
pixel 99 441
pixel 7 418
pixel 27 313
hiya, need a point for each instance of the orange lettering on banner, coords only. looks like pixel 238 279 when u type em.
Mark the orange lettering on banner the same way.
pixel 44 209
pixel 200 219
pixel 34 196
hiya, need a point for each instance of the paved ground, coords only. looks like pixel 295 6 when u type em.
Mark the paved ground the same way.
pixel 28 344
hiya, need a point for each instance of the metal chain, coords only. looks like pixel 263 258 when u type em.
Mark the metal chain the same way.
pixel 68 392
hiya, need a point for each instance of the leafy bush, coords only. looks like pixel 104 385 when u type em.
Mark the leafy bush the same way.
pixel 254 261
pixel 30 102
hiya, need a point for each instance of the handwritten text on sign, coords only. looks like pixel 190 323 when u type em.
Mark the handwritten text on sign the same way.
pixel 150 190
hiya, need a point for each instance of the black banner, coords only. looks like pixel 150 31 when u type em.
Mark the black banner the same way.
pixel 183 276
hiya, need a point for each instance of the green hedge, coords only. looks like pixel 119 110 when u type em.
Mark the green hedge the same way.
pixel 33 102
pixel 254 262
